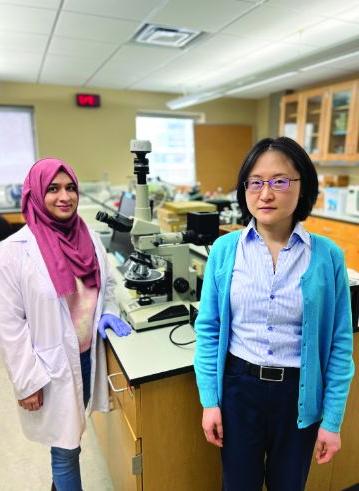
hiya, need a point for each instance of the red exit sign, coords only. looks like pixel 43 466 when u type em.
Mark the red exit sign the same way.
pixel 88 100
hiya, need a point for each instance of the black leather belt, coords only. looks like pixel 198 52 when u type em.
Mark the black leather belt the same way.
pixel 269 374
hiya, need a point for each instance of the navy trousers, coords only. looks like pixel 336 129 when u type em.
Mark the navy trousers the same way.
pixel 261 440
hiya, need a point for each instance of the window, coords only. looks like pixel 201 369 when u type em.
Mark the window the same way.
pixel 172 139
pixel 17 145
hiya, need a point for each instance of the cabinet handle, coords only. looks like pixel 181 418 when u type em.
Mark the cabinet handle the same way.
pixel 109 377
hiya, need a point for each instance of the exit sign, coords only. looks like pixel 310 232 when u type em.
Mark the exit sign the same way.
pixel 88 100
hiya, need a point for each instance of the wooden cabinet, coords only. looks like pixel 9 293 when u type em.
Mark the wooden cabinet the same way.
pixel 312 120
pixel 338 144
pixel 325 121
pixel 343 471
pixel 344 234
pixel 152 439
pixel 289 116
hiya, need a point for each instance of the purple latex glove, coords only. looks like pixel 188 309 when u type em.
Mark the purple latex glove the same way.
pixel 120 327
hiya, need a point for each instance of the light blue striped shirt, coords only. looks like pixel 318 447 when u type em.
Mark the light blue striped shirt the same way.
pixel 267 306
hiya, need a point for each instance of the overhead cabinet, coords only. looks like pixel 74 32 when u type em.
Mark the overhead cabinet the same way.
pixel 325 121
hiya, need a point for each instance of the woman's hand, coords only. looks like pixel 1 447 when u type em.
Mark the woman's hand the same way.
pixel 33 402
pixel 212 426
pixel 326 446
pixel 120 327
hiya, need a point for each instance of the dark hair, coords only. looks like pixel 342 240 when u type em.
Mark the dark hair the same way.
pixel 301 161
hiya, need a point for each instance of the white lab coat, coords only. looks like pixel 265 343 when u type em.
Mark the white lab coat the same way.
pixel 39 345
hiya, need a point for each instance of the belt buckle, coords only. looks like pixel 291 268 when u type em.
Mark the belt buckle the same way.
pixel 261 377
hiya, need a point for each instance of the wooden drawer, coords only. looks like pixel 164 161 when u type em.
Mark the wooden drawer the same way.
pixel 333 228
pixel 321 226
pixel 120 449
pixel 124 396
pixel 349 232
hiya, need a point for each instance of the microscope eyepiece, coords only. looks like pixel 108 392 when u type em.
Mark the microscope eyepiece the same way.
pixel 117 222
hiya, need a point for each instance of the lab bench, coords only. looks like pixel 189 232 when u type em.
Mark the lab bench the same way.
pixel 152 439
pixel 342 229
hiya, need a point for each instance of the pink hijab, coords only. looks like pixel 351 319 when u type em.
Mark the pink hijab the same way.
pixel 66 246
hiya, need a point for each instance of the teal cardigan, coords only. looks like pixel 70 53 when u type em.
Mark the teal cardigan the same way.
pixel 327 340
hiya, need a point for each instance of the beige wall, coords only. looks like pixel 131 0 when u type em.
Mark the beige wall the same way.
pixel 95 141
pixel 262 122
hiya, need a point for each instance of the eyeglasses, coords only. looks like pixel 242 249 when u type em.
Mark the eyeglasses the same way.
pixel 276 184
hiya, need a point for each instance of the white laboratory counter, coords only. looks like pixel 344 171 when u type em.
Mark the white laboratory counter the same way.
pixel 150 355
pixel 341 217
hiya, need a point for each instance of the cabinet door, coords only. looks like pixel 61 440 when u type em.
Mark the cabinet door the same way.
pixel 319 477
pixel 346 463
pixel 339 122
pixel 124 396
pixel 311 122
pixel 289 117
pixel 352 256
pixel 119 448
pixel 220 150
pixel 354 140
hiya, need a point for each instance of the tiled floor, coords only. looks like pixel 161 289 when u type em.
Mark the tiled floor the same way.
pixel 25 466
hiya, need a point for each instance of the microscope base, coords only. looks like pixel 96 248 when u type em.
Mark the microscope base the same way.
pixel 157 315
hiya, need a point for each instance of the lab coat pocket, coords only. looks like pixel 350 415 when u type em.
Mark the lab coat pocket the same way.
pixel 55 362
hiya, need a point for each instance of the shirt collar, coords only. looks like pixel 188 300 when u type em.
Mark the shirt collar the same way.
pixel 299 233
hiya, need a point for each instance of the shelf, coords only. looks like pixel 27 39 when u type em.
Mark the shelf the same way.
pixel 315 111
pixel 338 133
pixel 341 108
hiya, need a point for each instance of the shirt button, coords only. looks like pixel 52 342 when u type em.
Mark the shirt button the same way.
pixel 270 328
pixel 271 297
pixel 270 352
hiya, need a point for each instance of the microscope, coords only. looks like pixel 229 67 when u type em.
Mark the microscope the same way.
pixel 159 268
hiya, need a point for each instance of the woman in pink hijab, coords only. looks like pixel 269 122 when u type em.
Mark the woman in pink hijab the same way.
pixel 57 294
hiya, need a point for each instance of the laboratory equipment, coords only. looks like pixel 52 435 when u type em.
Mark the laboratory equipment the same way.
pixel 158 269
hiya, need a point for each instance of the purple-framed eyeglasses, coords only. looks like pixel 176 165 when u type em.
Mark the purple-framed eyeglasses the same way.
pixel 255 185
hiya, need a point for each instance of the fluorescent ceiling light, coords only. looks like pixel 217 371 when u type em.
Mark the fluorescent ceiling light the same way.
pixel 192 99
pixel 237 88
pixel 197 98
pixel 328 62
pixel 266 81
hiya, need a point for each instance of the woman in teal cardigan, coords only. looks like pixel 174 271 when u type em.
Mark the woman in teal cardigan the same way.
pixel 273 354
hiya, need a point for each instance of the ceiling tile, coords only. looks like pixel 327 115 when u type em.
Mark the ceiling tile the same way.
pixel 25 19
pixel 81 26
pixel 157 85
pixel 132 63
pixel 223 49
pixel 271 23
pixel 258 61
pixel 22 42
pixel 325 34
pixel 22 67
pixel 125 9
pixel 67 70
pixel 349 14
pixel 46 4
pixel 203 15
pixel 80 48
pixel 326 8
